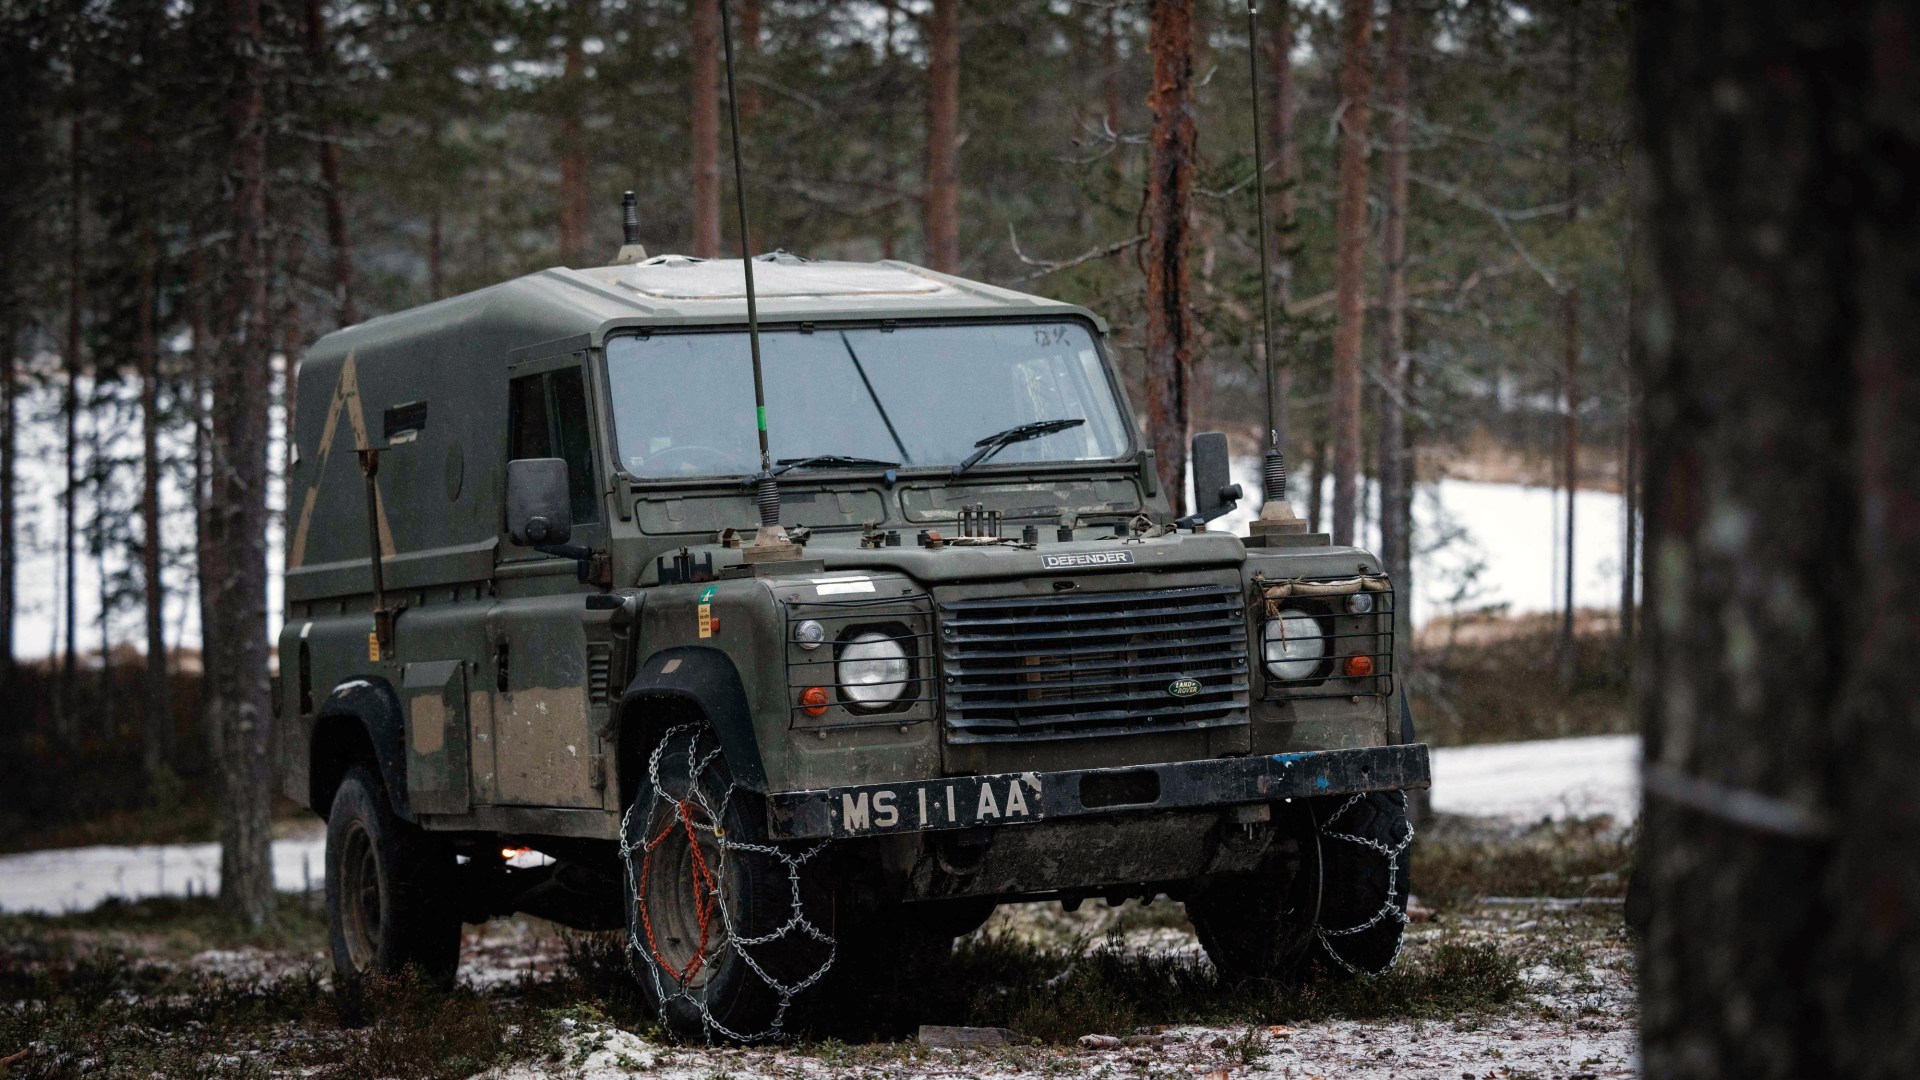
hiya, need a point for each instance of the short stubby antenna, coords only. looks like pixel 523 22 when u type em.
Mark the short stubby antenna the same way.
pixel 631 250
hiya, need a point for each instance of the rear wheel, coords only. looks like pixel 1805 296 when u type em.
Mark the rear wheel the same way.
pixel 725 927
pixel 388 902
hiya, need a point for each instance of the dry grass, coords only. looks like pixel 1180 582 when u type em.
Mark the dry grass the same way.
pixel 1496 679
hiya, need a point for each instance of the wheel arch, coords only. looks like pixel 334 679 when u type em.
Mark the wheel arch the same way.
pixel 359 723
pixel 680 684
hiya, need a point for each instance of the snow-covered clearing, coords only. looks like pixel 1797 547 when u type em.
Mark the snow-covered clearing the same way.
pixel 1532 781
pixel 1526 781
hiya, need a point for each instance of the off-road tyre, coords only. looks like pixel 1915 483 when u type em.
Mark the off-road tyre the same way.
pixel 1260 925
pixel 389 901
pixel 1336 903
pixel 1366 860
pixel 733 972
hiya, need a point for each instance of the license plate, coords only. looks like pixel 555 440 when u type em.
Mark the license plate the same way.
pixel 954 802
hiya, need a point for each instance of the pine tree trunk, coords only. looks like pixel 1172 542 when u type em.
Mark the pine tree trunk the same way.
pixel 942 208
pixel 1570 319
pixel 332 189
pixel 706 128
pixel 157 719
pixel 573 137
pixel 237 516
pixel 1282 205
pixel 1396 472
pixel 1781 378
pixel 1169 214
pixel 99 478
pixel 68 721
pixel 9 462
pixel 436 272
pixel 1110 55
pixel 1356 83
pixel 1630 506
pixel 751 17
pixel 206 560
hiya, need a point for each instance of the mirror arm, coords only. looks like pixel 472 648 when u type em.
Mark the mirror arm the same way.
pixel 1229 497
pixel 583 558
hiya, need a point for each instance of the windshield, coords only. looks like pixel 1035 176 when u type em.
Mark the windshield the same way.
pixel 917 395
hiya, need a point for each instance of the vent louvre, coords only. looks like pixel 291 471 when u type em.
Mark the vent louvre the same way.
pixel 1083 664
pixel 599 672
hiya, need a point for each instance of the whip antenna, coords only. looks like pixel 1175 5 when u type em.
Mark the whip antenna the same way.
pixel 771 543
pixel 1274 471
pixel 1277 523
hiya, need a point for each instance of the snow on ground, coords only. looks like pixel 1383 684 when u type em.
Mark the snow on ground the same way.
pixel 1484 545
pixel 78 879
pixel 1575 1021
pixel 1551 778
pixel 1524 781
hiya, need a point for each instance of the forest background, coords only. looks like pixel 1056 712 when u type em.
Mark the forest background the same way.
pixel 194 190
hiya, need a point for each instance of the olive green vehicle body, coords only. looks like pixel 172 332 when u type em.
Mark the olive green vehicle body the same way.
pixel 515 702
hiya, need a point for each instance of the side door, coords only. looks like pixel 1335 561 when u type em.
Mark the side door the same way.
pixel 545 751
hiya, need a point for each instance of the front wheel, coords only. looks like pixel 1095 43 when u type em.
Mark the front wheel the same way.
pixel 388 903
pixel 725 927
pixel 1334 898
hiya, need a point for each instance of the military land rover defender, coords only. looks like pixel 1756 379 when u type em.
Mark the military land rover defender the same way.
pixel 531 664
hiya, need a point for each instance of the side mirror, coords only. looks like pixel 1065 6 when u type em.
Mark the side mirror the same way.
pixel 1214 492
pixel 539 511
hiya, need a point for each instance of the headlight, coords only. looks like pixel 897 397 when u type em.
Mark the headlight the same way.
pixel 872 671
pixel 1360 603
pixel 809 634
pixel 1293 645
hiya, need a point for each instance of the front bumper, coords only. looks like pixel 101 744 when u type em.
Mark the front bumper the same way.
pixel 964 802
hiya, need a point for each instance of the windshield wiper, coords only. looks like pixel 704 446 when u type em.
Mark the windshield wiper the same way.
pixel 1000 440
pixel 828 461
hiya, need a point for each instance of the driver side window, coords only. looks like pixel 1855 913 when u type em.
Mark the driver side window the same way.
pixel 547 417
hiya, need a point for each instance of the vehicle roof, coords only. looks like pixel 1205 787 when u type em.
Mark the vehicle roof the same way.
pixel 672 290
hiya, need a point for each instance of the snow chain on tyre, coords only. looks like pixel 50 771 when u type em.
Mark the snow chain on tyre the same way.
pixel 1389 908
pixel 695 814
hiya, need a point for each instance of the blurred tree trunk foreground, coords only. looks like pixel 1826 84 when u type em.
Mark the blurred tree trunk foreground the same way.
pixel 1781 373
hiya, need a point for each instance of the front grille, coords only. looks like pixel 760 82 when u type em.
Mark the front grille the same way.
pixel 1083 664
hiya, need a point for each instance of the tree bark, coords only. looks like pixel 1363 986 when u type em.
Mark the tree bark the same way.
pixel 942 207
pixel 1110 54
pixel 157 719
pixel 9 463
pixel 1570 319
pixel 206 560
pixel 1630 539
pixel 573 136
pixel 436 258
pixel 1396 471
pixel 706 128
pixel 237 516
pixel 1286 178
pixel 751 17
pixel 1356 83
pixel 1170 328
pixel 332 189
pixel 68 721
pixel 1781 374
